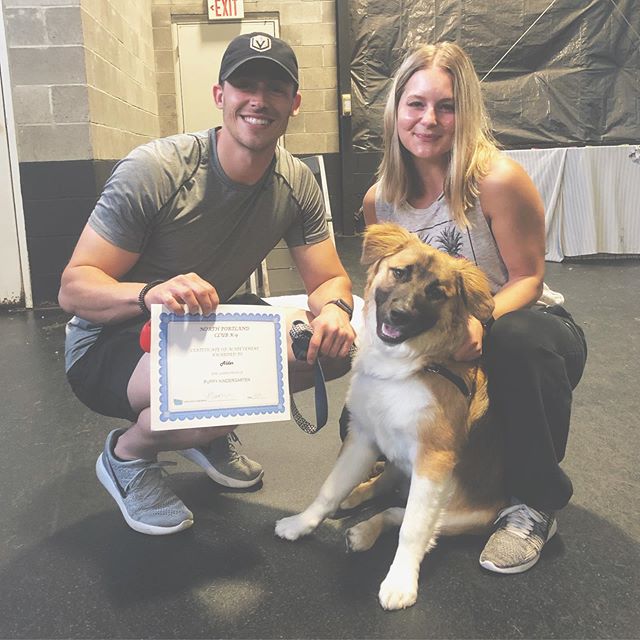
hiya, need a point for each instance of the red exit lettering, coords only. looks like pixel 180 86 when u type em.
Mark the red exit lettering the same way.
pixel 225 8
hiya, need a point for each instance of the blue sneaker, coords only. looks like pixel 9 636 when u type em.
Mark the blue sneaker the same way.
pixel 138 487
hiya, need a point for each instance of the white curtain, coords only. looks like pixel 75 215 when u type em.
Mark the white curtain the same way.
pixel 591 197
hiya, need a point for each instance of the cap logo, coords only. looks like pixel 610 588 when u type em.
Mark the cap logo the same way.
pixel 260 43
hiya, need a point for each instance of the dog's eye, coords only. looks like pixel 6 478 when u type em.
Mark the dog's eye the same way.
pixel 435 292
pixel 401 274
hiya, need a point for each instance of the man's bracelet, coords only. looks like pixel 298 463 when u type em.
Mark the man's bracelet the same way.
pixel 339 302
pixel 143 293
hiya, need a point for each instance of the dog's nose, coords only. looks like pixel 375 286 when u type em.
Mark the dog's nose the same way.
pixel 399 316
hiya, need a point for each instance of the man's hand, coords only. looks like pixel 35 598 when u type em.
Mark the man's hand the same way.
pixel 333 334
pixel 188 289
pixel 471 348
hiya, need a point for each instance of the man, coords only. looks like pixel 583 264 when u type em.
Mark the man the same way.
pixel 183 221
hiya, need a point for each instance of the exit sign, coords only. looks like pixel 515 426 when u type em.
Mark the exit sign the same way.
pixel 226 9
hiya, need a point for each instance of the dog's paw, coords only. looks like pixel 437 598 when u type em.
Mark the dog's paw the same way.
pixel 398 590
pixel 361 537
pixel 353 500
pixel 295 527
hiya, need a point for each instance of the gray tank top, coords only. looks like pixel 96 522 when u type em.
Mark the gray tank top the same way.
pixel 435 226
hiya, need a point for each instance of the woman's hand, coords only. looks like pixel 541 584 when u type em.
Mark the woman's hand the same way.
pixel 471 348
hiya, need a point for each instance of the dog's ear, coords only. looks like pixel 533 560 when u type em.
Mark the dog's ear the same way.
pixel 474 290
pixel 383 240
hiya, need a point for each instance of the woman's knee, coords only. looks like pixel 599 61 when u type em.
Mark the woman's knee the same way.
pixel 513 335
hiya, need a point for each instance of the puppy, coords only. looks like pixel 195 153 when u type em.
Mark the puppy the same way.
pixel 410 401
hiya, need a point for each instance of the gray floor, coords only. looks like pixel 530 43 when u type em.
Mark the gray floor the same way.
pixel 70 568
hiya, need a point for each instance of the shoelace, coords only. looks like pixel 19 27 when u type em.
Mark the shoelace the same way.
pixel 152 490
pixel 520 519
pixel 223 447
pixel 232 438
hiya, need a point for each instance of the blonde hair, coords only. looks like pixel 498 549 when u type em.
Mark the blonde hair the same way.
pixel 473 144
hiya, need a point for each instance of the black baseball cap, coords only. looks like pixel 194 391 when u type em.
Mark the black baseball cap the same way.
pixel 258 46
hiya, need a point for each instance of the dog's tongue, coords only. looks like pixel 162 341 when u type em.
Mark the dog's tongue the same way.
pixel 390 331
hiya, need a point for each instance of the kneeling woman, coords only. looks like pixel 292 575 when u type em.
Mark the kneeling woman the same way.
pixel 443 177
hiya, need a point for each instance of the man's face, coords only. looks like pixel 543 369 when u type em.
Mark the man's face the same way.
pixel 257 101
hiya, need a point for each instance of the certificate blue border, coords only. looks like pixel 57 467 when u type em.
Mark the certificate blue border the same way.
pixel 168 416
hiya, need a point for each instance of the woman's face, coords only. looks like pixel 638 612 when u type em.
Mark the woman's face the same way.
pixel 426 117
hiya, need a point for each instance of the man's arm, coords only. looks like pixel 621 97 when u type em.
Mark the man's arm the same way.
pixel 90 287
pixel 325 279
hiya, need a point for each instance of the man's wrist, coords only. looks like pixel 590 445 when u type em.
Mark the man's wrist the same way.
pixel 341 304
pixel 143 292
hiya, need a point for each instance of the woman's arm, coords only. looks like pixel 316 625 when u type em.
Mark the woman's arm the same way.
pixel 369 205
pixel 515 213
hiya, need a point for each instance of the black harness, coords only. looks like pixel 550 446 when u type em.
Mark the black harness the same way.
pixel 301 335
pixel 451 377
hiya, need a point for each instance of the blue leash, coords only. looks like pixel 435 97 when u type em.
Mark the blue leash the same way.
pixel 300 336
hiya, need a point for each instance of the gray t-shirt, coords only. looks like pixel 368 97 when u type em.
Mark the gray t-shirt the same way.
pixel 171 202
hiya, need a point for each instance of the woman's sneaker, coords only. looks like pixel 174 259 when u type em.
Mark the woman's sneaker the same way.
pixel 140 490
pixel 224 465
pixel 517 542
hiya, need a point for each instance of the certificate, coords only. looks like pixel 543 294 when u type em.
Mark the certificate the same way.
pixel 226 368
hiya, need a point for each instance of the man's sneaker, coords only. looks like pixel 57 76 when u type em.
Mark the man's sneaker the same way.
pixel 139 488
pixel 224 465
pixel 516 543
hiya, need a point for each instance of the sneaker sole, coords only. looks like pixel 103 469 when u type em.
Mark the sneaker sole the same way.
pixel 193 455
pixel 140 527
pixel 521 568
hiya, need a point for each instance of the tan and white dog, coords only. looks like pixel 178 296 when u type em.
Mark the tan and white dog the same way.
pixel 410 401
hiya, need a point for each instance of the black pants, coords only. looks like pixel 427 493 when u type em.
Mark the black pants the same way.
pixel 534 359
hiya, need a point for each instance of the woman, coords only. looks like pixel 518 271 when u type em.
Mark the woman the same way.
pixel 443 177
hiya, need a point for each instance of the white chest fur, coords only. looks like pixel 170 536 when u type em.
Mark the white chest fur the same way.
pixel 389 412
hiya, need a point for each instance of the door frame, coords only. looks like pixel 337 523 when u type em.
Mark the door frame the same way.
pixel 345 52
pixel 9 123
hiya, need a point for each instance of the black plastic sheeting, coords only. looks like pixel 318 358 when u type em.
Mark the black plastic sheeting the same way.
pixel 573 79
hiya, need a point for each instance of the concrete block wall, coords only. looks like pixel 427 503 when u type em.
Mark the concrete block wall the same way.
pixel 309 26
pixel 92 79
pixel 47 64
pixel 83 77
pixel 120 69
